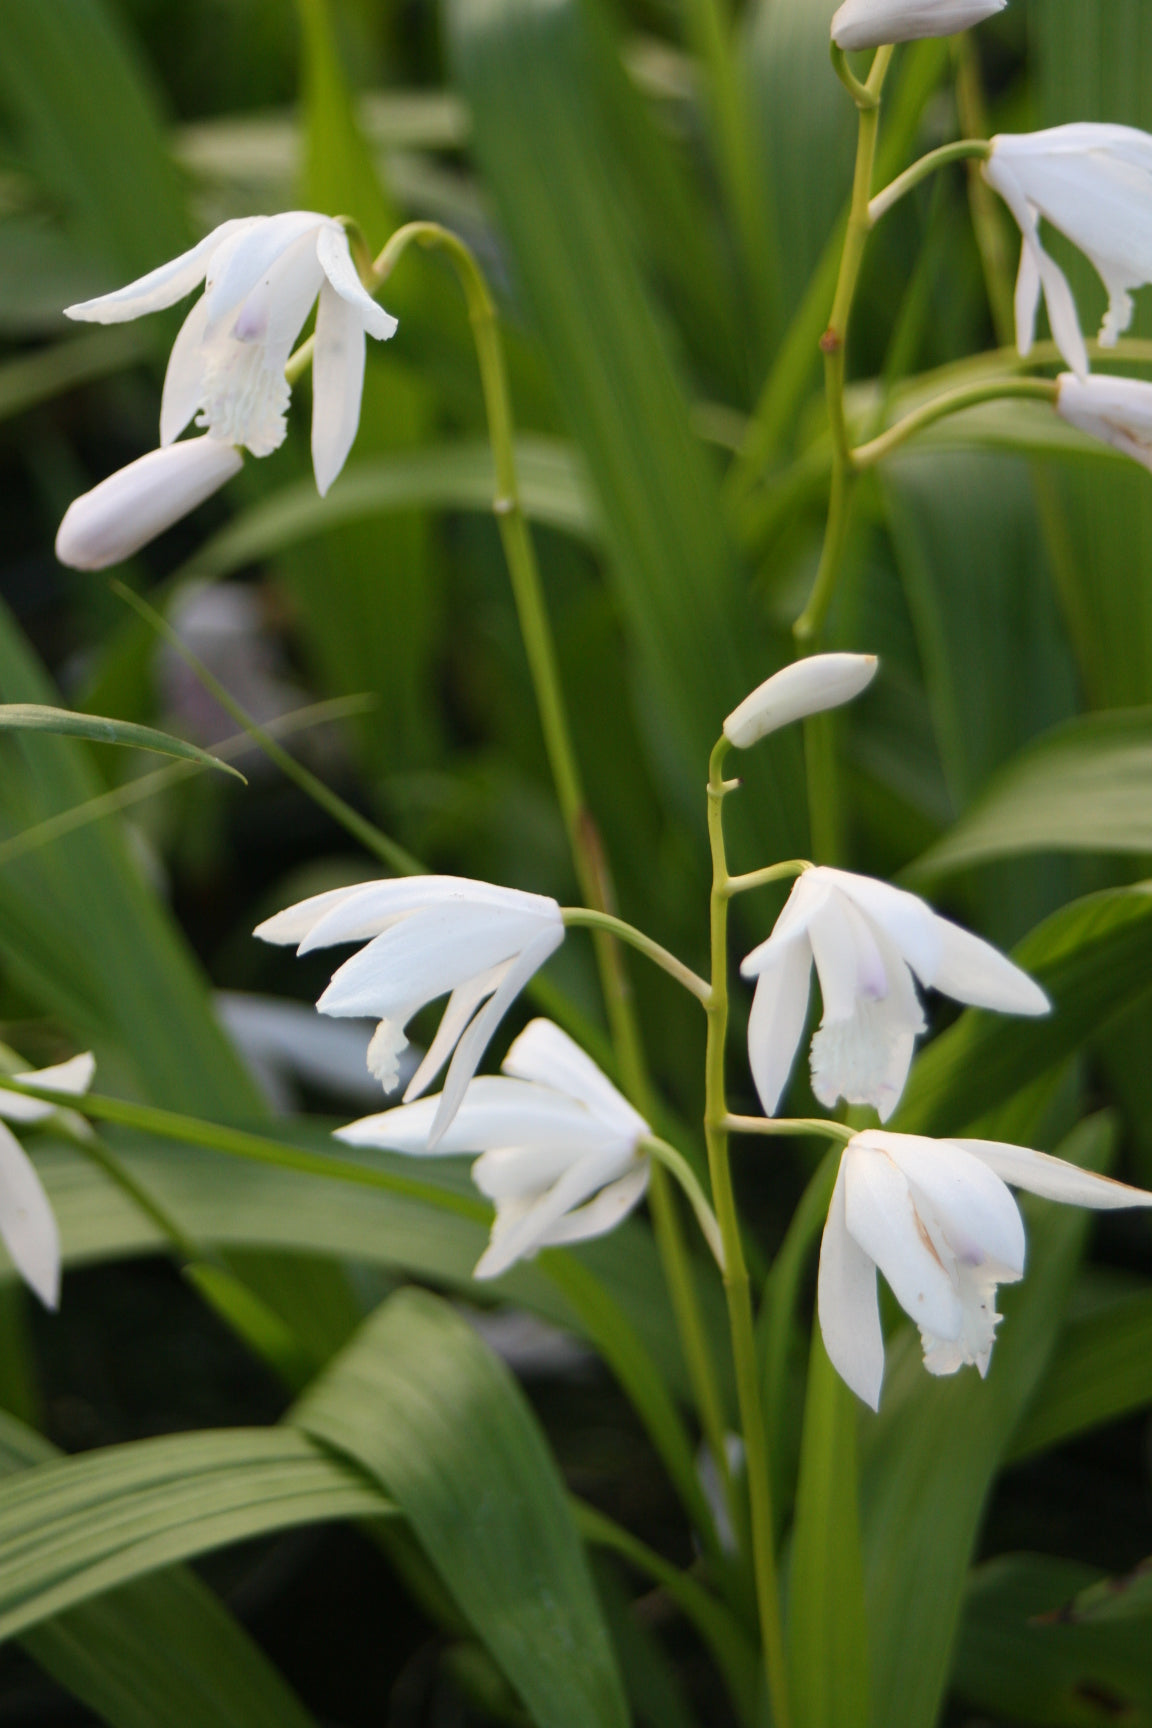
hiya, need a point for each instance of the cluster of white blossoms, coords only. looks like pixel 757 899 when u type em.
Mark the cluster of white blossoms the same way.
pixel 563 1157
pixel 261 276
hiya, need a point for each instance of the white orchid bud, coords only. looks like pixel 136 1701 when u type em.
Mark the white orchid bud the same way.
pixel 132 506
pixel 806 687
pixel 872 23
pixel 1116 410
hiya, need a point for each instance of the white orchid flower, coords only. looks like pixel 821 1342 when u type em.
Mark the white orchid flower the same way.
pixel 27 1223
pixel 262 275
pixel 867 940
pixel 938 1220
pixel 1116 410
pixel 872 23
pixel 1094 183
pixel 560 1146
pixel 806 687
pixel 132 506
pixel 426 936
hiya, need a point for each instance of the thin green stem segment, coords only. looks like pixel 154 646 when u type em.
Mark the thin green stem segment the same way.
pixel 952 402
pixel 584 841
pixel 678 1166
pixel 583 917
pixel 787 1125
pixel 370 837
pixel 771 873
pixel 965 149
pixel 859 92
pixel 736 1272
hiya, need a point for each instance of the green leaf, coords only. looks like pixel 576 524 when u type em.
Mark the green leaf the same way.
pixel 160 1651
pixel 1093 957
pixel 930 1458
pixel 50 371
pixel 74 1528
pixel 542 69
pixel 85 936
pixel 462 1456
pixel 34 717
pixel 827 1624
pixel 1053 1674
pixel 1114 1599
pixel 1085 786
pixel 1102 1370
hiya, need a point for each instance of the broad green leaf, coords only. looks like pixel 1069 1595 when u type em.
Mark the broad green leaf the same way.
pixel 50 371
pixel 1102 1370
pixel 533 70
pixel 931 1456
pixel 1015 1664
pixel 827 1624
pixel 339 176
pixel 62 723
pixel 81 107
pixel 76 1527
pixel 1085 786
pixel 1093 957
pixel 491 1515
pixel 84 934
pixel 161 1650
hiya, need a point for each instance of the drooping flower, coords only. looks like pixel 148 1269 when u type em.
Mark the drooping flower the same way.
pixel 561 1157
pixel 427 936
pixel 132 506
pixel 806 687
pixel 262 275
pixel 1116 410
pixel 937 1218
pixel 867 940
pixel 1094 183
pixel 871 23
pixel 27 1224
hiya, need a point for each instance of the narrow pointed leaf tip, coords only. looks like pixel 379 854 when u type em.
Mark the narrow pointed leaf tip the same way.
pixel 806 687
pixel 874 23
pixel 937 1219
pixel 562 1155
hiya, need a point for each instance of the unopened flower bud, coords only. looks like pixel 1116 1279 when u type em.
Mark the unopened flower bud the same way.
pixel 806 687
pixel 871 23
pixel 132 506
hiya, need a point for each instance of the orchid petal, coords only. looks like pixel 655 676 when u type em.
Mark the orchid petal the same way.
pixel 161 287
pixel 848 1305
pixel 462 1004
pixel 295 923
pixel 977 1213
pixel 337 385
pixel 133 506
pixel 373 906
pixel 1054 1178
pixel 184 378
pixel 881 1218
pixel 528 1233
pixel 336 259
pixel 848 961
pixel 776 1023
pixel 496 1112
pixel 971 970
pixel 604 1213
pixel 247 255
pixel 27 1223
pixel 544 1053
pixel 73 1076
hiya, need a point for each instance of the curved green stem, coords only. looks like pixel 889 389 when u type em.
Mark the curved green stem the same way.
pixel 965 149
pixel 678 1166
pixel 784 1125
pixel 860 93
pixel 736 1272
pixel 584 841
pixel 771 873
pixel 811 621
pixel 952 402
pixel 584 917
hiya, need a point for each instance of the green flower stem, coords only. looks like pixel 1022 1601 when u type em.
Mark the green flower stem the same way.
pixel 783 1125
pixel 583 917
pixel 369 836
pixel 965 149
pixel 860 93
pixel 810 622
pixel 952 402
pixel 736 1271
pixel 772 873
pixel 991 234
pixel 584 841
pixel 679 1167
